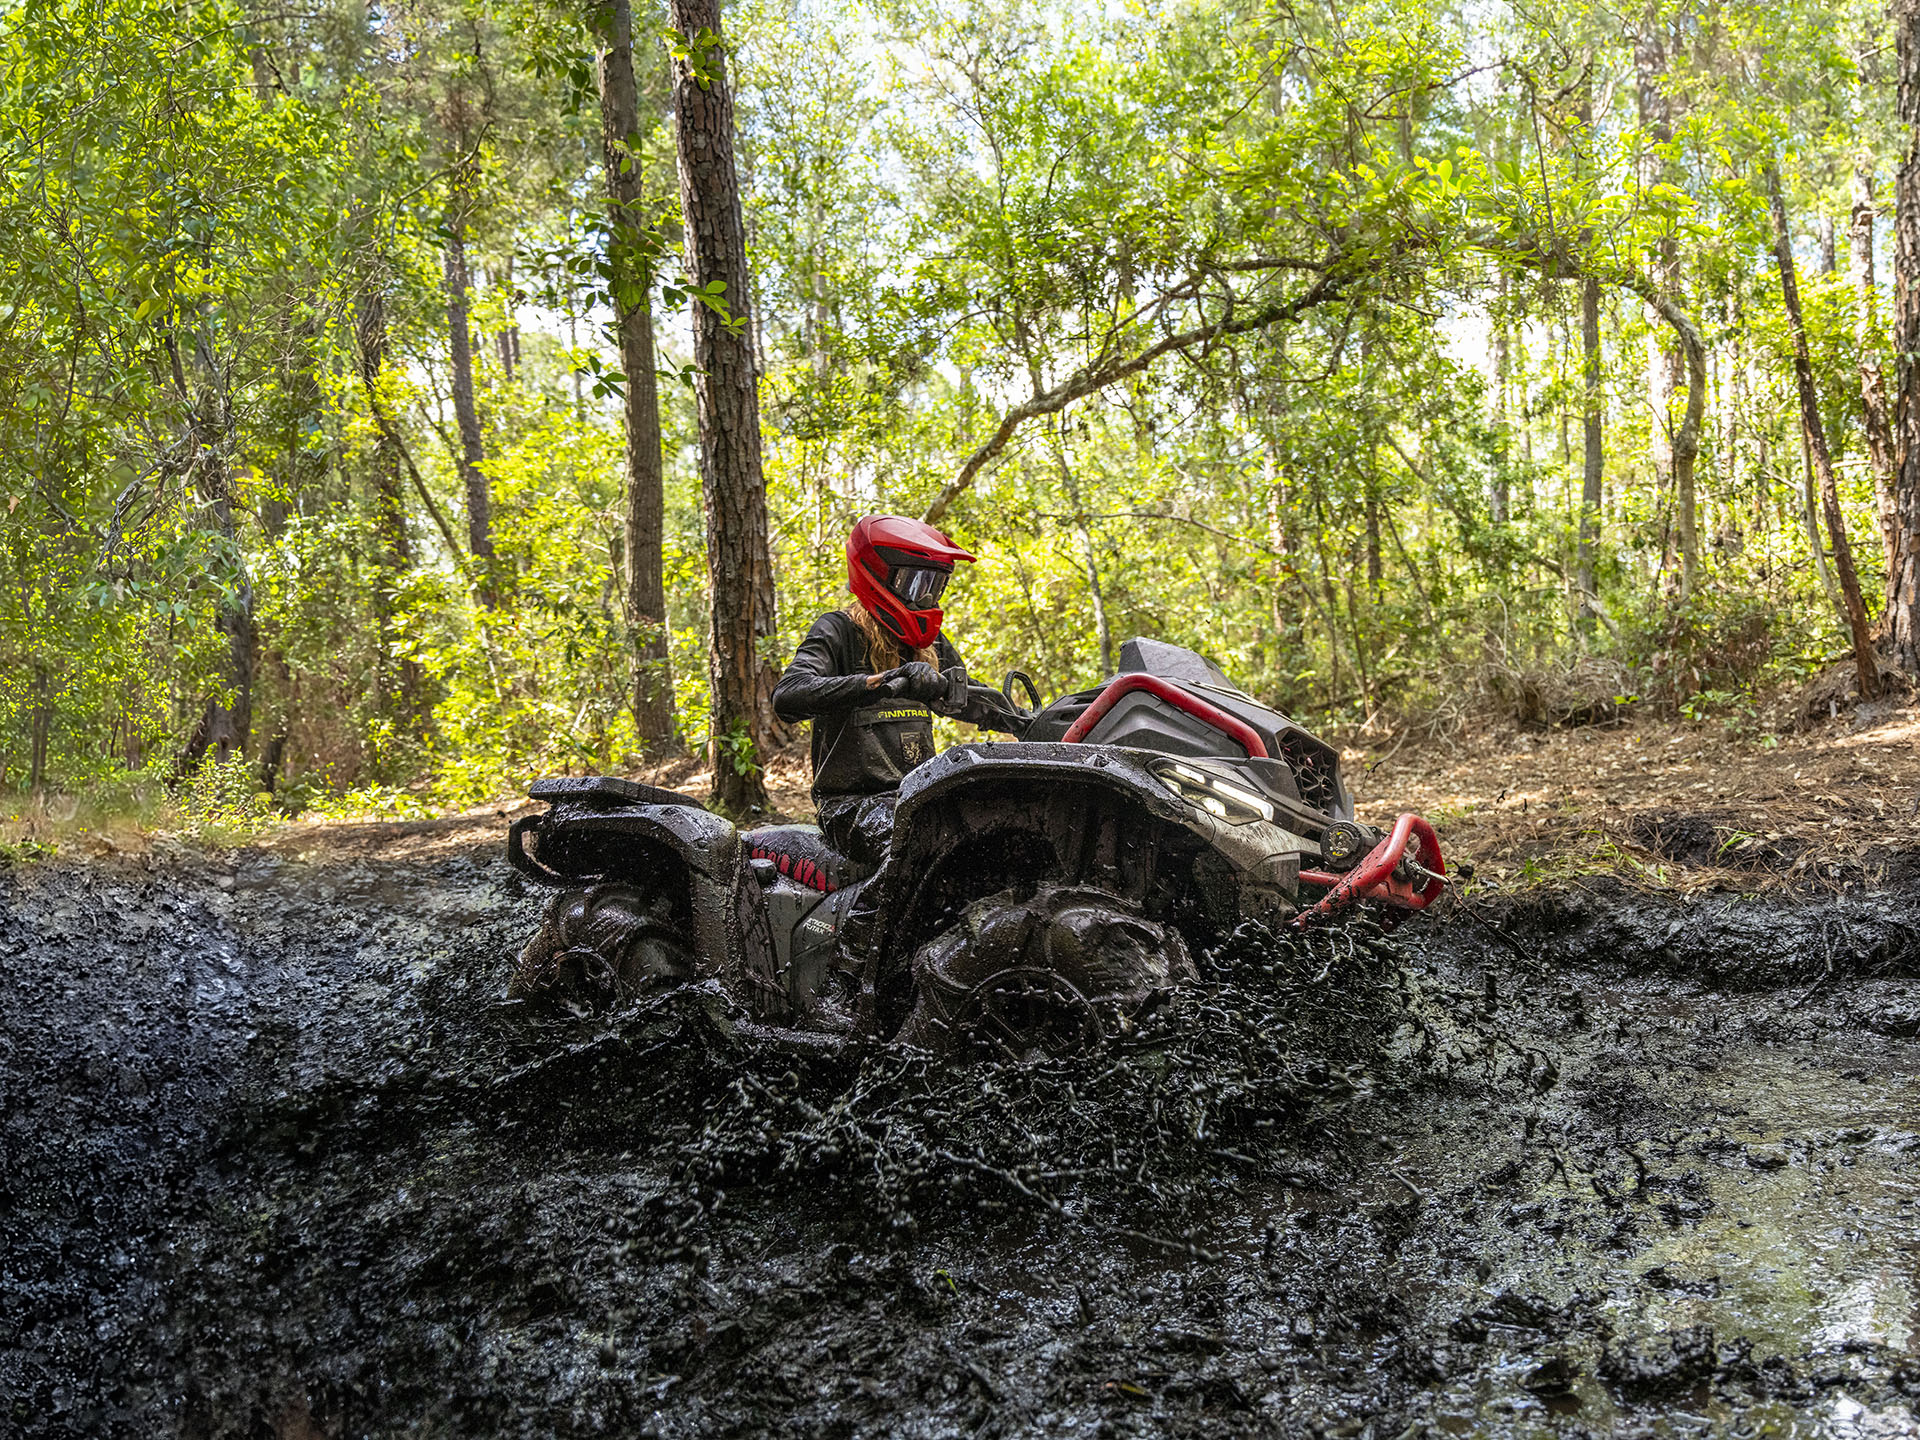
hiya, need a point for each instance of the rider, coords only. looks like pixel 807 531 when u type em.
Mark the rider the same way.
pixel 871 678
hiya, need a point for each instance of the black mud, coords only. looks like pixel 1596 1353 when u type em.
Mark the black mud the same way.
pixel 276 1160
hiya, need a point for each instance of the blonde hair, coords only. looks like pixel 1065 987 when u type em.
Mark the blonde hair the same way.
pixel 883 651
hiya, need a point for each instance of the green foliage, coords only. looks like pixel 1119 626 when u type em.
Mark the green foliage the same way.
pixel 218 214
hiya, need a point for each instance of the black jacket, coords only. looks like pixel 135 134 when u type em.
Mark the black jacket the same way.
pixel 862 744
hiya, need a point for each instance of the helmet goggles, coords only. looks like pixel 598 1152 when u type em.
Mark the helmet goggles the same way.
pixel 918 586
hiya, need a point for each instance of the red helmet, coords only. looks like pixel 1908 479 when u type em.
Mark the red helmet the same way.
pixel 897 568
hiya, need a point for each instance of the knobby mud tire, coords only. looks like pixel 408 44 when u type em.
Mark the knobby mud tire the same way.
pixel 603 945
pixel 1053 973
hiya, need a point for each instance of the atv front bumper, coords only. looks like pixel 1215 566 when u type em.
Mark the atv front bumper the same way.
pixel 1405 872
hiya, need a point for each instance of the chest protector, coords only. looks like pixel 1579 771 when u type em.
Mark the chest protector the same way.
pixel 876 747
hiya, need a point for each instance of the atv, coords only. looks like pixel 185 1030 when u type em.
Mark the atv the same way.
pixel 1041 893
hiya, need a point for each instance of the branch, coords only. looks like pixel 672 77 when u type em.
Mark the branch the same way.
pixel 392 437
pixel 1330 285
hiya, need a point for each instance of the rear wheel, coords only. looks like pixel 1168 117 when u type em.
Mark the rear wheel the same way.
pixel 602 945
pixel 1050 974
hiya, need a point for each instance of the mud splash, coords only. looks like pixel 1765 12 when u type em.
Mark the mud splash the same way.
pixel 277 1160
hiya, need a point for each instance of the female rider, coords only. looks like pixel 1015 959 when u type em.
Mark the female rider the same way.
pixel 871 678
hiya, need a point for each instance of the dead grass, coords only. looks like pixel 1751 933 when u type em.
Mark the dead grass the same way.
pixel 1672 804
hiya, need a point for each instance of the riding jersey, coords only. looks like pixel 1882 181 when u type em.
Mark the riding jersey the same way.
pixel 863 743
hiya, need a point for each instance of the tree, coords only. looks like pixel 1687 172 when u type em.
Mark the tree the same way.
pixel 1815 431
pixel 741 729
pixel 633 247
pixel 1903 580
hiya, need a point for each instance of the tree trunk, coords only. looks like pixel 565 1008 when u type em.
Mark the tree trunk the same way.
pixel 226 724
pixel 1903 581
pixel 400 692
pixel 506 342
pixel 1103 628
pixel 739 561
pixel 1594 472
pixel 1866 340
pixel 1855 610
pixel 646 597
pixel 1663 356
pixel 1497 479
pixel 460 337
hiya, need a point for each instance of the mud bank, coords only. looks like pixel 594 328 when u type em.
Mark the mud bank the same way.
pixel 276 1160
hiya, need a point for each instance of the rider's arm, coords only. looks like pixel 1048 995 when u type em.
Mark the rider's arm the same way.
pixel 818 681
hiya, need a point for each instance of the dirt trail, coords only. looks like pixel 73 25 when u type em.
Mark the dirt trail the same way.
pixel 276 1160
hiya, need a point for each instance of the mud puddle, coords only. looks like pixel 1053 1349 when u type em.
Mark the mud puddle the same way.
pixel 276 1161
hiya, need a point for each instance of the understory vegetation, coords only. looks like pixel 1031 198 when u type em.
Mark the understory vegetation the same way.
pixel 1407 359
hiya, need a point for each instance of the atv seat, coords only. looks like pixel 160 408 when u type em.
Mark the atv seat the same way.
pixel 802 854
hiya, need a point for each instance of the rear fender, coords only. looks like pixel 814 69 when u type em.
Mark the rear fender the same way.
pixel 693 856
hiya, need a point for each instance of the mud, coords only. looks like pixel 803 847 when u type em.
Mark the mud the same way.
pixel 276 1159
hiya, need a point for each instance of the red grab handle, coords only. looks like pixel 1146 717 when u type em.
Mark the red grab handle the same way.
pixel 1241 733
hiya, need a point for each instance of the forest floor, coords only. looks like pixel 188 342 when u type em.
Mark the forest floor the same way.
pixel 1620 1142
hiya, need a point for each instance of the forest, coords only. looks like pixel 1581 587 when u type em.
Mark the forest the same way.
pixel 359 366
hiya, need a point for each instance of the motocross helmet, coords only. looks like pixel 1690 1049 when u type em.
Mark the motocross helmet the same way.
pixel 898 568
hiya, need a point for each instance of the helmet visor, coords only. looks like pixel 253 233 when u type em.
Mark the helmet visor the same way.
pixel 918 586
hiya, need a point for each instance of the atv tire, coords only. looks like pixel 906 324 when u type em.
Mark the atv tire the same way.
pixel 1049 975
pixel 602 945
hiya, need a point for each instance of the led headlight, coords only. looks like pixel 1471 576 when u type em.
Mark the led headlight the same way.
pixel 1235 804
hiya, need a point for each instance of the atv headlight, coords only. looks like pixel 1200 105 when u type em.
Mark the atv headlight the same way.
pixel 1235 804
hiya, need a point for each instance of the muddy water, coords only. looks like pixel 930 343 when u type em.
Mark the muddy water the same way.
pixel 275 1160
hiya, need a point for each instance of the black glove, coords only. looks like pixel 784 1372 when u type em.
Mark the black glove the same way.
pixel 917 680
pixel 954 701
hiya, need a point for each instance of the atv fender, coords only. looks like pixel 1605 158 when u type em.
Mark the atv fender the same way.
pixel 1153 848
pixel 595 833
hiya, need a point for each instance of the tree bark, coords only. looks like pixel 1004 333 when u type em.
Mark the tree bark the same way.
pixel 1593 472
pixel 460 337
pixel 739 560
pixel 226 724
pixel 646 597
pixel 1903 580
pixel 1855 610
pixel 1663 357
pixel 1866 339
pixel 1497 478
pixel 393 558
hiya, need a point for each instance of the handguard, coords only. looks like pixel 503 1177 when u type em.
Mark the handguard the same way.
pixel 1396 872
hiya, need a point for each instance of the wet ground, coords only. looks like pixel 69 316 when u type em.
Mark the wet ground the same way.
pixel 276 1160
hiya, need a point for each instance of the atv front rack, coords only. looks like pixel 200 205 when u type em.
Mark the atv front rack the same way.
pixel 1402 881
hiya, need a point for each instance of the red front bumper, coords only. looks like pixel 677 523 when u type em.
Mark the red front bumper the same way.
pixel 1382 876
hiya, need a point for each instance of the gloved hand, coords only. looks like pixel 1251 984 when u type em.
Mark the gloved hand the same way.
pixel 917 680
pixel 954 701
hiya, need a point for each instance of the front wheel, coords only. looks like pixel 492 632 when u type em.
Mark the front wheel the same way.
pixel 1047 975
pixel 602 945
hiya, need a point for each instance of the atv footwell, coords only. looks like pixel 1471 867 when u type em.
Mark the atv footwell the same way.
pixel 276 1160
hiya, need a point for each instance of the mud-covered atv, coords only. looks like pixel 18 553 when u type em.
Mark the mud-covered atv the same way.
pixel 1040 894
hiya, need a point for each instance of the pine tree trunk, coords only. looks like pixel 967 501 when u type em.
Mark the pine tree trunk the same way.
pixel 1903 579
pixel 1497 479
pixel 1594 470
pixel 460 339
pixel 646 597
pixel 739 560
pixel 226 724
pixel 1855 611
pixel 399 692
pixel 1663 356
pixel 1866 340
